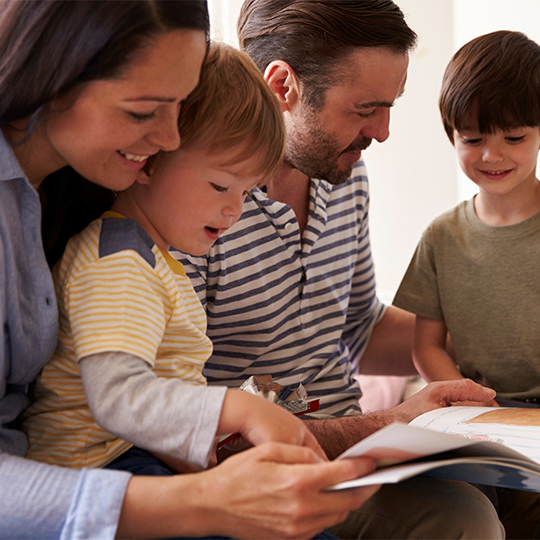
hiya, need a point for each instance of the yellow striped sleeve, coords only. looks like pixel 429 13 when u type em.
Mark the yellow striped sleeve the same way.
pixel 116 303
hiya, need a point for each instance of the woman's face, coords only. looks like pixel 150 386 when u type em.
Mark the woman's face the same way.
pixel 112 127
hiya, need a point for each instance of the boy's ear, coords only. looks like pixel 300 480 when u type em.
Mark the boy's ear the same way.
pixel 144 175
pixel 284 82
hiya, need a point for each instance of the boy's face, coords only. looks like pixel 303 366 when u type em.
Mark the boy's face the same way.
pixel 193 197
pixel 502 163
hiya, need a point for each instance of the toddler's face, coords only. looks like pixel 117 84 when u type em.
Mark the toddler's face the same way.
pixel 194 196
pixel 500 163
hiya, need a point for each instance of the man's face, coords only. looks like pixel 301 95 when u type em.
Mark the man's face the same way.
pixel 326 143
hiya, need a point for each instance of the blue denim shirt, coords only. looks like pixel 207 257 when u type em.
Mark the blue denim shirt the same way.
pixel 27 299
pixel 37 500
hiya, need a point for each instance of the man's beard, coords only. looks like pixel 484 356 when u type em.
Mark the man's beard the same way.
pixel 316 154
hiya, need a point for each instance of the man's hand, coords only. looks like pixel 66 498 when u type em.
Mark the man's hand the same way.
pixel 440 394
pixel 488 403
pixel 338 434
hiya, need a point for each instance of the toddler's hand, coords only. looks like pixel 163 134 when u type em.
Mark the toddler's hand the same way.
pixel 260 421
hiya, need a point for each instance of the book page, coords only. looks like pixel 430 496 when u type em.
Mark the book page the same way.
pixel 516 428
pixel 490 471
pixel 401 442
pixel 442 455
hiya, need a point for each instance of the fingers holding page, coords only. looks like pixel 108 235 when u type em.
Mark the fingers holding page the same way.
pixel 283 488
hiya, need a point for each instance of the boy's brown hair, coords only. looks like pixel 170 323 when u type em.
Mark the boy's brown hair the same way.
pixel 233 108
pixel 492 83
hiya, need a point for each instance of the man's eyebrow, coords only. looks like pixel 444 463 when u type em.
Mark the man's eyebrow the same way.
pixel 152 98
pixel 373 104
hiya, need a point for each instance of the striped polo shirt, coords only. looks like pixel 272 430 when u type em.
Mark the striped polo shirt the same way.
pixel 300 309
pixel 117 291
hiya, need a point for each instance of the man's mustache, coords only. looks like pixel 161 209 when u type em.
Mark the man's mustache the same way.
pixel 358 146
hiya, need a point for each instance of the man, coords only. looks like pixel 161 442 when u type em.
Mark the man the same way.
pixel 290 289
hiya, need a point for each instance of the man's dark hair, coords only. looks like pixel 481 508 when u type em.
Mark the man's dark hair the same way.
pixel 314 36
pixel 491 83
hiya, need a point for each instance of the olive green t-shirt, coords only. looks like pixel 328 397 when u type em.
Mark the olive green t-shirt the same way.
pixel 484 282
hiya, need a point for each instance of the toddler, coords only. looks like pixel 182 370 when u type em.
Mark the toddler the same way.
pixel 118 391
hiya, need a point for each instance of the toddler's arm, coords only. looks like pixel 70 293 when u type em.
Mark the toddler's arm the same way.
pixel 158 414
pixel 168 416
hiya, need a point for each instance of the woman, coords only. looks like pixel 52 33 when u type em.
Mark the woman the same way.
pixel 91 89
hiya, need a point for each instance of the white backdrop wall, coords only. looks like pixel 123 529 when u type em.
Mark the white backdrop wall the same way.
pixel 414 175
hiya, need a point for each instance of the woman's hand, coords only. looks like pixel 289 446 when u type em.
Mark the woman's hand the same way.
pixel 272 491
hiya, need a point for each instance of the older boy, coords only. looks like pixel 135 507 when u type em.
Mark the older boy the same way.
pixel 473 273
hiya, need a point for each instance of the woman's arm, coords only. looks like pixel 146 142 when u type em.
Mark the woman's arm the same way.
pixel 272 491
pixel 42 501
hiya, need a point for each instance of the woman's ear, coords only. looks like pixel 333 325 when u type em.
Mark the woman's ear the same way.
pixel 283 81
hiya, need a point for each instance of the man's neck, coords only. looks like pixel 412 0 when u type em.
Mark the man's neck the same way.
pixel 291 187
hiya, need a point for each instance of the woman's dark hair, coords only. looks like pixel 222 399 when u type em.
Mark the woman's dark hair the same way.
pixel 314 36
pixel 491 83
pixel 50 48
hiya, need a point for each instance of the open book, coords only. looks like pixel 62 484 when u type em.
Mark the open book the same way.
pixel 482 445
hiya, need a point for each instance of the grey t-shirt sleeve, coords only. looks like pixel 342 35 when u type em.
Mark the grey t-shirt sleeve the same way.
pixel 155 413
pixel 43 501
pixel 419 291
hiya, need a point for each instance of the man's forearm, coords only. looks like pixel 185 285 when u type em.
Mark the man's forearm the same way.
pixel 335 435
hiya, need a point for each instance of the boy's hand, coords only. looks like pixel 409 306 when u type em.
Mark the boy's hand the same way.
pixel 260 421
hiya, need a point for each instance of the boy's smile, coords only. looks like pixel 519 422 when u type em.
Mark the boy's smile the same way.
pixel 496 175
pixel 502 164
